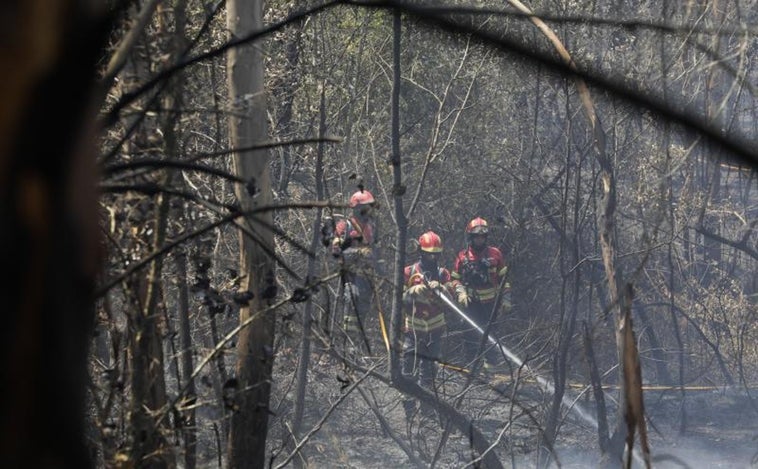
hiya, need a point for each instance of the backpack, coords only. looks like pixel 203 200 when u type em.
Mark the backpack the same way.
pixel 329 230
pixel 475 273
pixel 414 271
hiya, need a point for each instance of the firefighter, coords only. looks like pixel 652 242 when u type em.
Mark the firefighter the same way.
pixel 354 244
pixel 478 273
pixel 424 315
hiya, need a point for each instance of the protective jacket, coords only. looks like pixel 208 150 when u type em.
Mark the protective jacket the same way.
pixel 480 272
pixel 353 242
pixel 423 312
pixel 353 233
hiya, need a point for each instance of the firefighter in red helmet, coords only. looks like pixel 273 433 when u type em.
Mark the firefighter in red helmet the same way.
pixel 478 274
pixel 424 315
pixel 354 242
pixel 361 198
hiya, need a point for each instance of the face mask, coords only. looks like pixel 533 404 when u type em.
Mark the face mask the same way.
pixel 362 211
pixel 477 245
pixel 429 263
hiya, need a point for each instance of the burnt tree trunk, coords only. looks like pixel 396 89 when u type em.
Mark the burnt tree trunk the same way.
pixel 247 126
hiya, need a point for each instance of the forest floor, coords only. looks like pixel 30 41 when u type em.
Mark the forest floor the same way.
pixel 367 428
pixel 721 429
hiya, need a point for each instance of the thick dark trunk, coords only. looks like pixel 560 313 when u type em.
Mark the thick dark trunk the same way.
pixel 49 247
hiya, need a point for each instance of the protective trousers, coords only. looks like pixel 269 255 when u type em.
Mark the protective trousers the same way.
pixel 421 353
pixel 355 311
pixel 479 313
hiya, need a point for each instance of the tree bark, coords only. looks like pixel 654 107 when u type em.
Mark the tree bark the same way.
pixel 398 190
pixel 187 365
pixel 569 253
pixel 247 126
pixel 606 215
pixel 174 101
pixel 597 391
pixel 305 343
pixel 149 445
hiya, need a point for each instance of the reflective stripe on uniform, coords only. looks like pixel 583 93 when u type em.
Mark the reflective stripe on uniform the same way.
pixel 425 325
pixel 485 294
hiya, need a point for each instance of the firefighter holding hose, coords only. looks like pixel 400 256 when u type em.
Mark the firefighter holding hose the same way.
pixel 424 315
pixel 478 274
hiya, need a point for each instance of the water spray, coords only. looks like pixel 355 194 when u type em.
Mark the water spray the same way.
pixel 545 384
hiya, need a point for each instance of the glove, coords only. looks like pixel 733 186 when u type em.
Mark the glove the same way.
pixel 336 251
pixel 463 298
pixel 363 252
pixel 434 285
pixel 418 289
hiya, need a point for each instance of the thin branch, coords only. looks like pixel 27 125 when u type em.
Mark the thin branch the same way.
pixel 739 245
pixel 741 147
pixel 194 234
pixel 434 139
pixel 629 24
pixel 386 426
pixel 326 416
pixel 152 164
pixel 118 59
pixel 219 347
pixel 186 62
pixel 111 118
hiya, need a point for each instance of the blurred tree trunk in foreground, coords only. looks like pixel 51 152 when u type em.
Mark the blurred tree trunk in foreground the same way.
pixel 48 227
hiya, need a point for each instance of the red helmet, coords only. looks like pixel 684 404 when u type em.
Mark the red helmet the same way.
pixel 430 242
pixel 477 226
pixel 362 197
